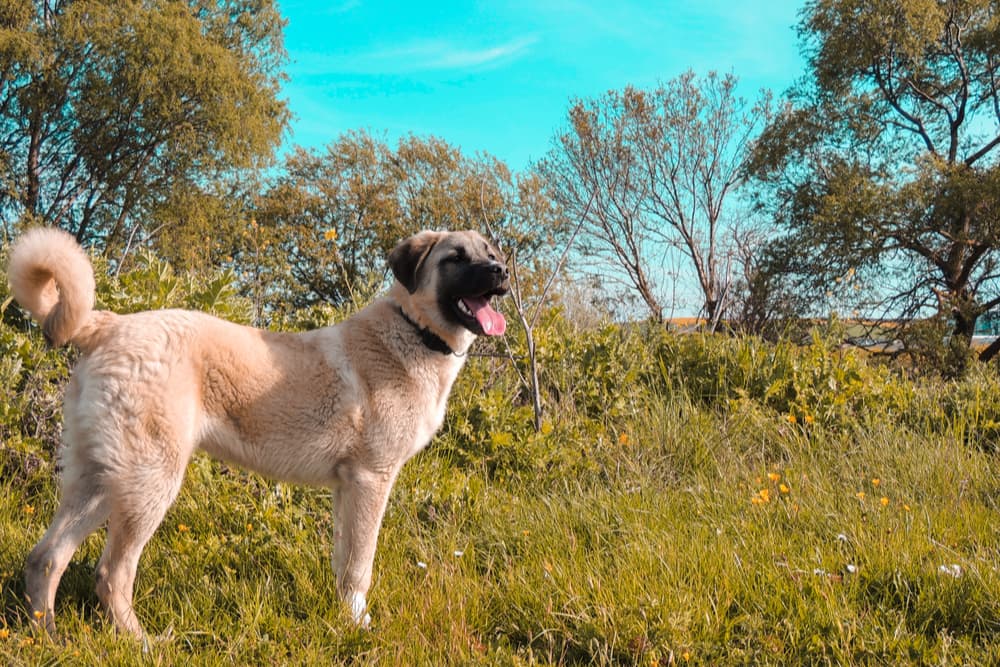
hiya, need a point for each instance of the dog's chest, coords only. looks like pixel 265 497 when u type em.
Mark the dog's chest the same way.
pixel 429 414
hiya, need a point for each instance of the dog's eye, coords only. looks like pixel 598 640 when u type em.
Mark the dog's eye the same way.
pixel 457 256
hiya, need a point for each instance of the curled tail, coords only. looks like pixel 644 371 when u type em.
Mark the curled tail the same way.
pixel 51 277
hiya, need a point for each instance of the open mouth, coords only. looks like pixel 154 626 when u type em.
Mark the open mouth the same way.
pixel 478 316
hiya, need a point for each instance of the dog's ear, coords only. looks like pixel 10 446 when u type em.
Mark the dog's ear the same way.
pixel 406 258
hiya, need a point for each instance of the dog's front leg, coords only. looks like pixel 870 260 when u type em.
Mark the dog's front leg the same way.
pixel 359 503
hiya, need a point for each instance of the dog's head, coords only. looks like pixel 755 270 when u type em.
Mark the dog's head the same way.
pixel 450 278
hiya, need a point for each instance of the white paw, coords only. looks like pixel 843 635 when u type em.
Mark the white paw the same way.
pixel 358 607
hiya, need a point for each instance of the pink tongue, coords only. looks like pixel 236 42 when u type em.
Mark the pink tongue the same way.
pixel 491 321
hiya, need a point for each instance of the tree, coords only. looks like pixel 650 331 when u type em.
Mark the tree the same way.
pixel 535 235
pixel 660 165
pixel 883 166
pixel 762 301
pixel 114 113
pixel 325 225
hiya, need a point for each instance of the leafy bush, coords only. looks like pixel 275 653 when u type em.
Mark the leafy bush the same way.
pixel 689 498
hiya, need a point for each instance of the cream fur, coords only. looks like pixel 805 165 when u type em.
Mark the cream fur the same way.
pixel 51 277
pixel 343 407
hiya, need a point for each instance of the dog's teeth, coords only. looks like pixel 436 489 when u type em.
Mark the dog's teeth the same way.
pixel 465 309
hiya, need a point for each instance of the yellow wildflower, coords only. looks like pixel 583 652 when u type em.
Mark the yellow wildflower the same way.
pixel 774 477
pixel 4 633
pixel 906 508
pixel 29 509
pixel 884 501
pixel 876 481
pixel 330 234
pixel 860 495
pixel 623 438
pixel 809 419
pixel 791 419
pixel 182 528
pixel 784 489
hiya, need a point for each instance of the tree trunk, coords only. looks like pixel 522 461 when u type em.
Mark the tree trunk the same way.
pixel 965 313
pixel 965 325
pixel 536 390
pixel 32 188
pixel 646 292
pixel 991 351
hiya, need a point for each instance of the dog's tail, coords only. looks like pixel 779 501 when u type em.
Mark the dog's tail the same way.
pixel 51 276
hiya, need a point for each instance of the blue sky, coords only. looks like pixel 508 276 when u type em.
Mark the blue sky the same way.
pixel 497 77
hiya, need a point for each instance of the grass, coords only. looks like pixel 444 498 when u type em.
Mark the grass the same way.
pixel 693 536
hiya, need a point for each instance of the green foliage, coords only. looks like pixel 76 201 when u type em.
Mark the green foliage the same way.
pixel 689 499
pixel 30 411
pixel 31 404
pixel 114 114
pixel 817 381
pixel 884 162
pixel 153 285
pixel 324 226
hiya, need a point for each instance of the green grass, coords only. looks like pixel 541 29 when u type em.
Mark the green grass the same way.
pixel 649 549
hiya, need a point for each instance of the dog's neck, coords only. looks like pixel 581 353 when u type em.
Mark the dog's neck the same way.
pixel 419 313
pixel 430 339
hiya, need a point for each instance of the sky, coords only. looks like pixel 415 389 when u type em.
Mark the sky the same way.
pixel 498 77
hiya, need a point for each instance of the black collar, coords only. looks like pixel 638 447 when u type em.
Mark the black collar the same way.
pixel 430 339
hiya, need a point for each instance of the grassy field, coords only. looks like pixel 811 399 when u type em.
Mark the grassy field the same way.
pixel 738 504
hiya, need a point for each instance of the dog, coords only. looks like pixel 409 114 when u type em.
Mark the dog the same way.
pixel 342 407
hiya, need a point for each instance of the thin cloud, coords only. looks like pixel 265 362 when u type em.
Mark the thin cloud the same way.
pixel 444 56
pixel 419 56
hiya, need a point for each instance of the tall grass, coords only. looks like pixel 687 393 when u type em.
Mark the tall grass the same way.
pixel 688 501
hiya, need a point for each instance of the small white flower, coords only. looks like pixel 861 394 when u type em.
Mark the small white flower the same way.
pixel 953 570
pixel 422 565
pixel 459 554
pixel 852 568
pixel 841 537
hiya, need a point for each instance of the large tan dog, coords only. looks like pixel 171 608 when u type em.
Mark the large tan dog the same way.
pixel 344 407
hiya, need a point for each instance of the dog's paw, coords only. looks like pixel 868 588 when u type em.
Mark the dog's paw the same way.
pixel 358 610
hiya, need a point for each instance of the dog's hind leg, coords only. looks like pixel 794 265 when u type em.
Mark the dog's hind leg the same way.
pixel 82 509
pixel 140 501
pixel 359 503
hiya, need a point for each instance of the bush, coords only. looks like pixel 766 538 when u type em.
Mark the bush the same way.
pixel 721 499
